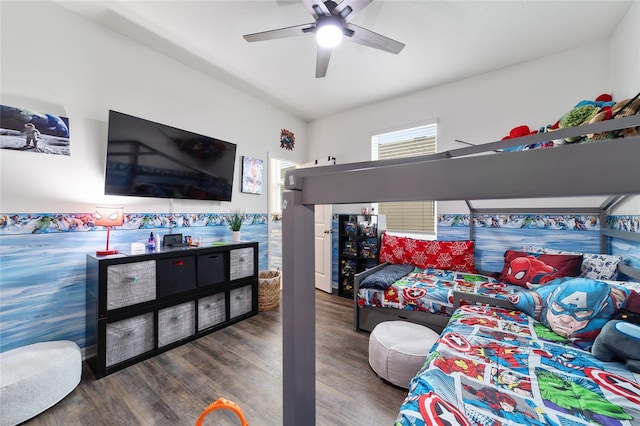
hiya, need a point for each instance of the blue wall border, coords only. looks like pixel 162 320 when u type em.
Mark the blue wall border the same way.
pixel 47 223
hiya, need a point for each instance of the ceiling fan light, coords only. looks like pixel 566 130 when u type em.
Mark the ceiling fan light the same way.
pixel 329 35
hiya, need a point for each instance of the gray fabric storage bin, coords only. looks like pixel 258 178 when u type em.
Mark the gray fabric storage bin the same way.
pixel 241 263
pixel 128 338
pixel 130 283
pixel 176 322
pixel 241 301
pixel 211 311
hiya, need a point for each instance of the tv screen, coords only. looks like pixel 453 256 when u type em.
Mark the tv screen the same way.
pixel 148 159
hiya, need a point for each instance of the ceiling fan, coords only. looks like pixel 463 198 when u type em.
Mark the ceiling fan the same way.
pixel 331 24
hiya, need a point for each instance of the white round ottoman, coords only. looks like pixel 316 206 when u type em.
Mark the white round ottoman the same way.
pixel 397 350
pixel 35 377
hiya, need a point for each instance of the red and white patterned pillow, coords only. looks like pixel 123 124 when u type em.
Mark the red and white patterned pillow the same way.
pixel 451 255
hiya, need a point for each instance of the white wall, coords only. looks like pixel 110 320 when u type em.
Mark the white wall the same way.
pixel 480 109
pixel 477 110
pixel 71 66
pixel 624 54
pixel 61 63
pixel 485 107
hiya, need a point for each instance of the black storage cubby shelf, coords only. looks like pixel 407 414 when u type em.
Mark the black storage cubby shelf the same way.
pixel 141 305
pixel 358 245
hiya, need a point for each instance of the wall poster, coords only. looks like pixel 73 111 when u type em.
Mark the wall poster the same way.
pixel 31 131
pixel 251 175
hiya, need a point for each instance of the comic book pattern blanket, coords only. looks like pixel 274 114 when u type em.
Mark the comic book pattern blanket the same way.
pixel 431 290
pixel 494 367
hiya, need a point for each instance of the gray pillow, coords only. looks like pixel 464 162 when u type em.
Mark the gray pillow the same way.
pixel 383 278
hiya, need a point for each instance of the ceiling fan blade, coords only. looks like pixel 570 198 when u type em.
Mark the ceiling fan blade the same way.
pixel 280 33
pixel 377 41
pixel 322 61
pixel 316 5
pixel 347 8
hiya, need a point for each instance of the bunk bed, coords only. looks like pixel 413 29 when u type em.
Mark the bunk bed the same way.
pixel 606 168
pixel 428 296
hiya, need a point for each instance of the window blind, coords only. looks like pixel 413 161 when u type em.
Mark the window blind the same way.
pixel 415 216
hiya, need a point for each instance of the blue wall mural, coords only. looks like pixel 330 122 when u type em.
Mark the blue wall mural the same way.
pixel 494 234
pixel 42 256
pixel 43 261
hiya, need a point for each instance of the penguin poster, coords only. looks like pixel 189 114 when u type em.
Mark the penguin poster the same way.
pixel 31 131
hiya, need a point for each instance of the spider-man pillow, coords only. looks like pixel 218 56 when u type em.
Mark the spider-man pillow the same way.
pixel 597 266
pixel 529 269
pixel 450 255
pixel 575 308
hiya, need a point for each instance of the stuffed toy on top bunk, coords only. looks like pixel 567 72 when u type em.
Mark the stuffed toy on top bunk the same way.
pixel 584 112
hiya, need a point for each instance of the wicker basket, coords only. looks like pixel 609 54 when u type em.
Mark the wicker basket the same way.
pixel 268 290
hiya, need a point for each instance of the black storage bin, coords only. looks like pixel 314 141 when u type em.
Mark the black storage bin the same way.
pixel 212 268
pixel 176 275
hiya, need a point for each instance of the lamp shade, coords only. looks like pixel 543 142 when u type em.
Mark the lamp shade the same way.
pixel 109 216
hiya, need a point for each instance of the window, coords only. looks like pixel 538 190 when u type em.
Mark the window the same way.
pixel 414 216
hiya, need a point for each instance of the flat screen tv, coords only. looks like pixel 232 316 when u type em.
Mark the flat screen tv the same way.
pixel 148 159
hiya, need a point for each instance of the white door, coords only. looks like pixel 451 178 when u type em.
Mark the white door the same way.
pixel 322 239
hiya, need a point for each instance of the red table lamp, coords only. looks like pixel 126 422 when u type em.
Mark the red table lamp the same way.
pixel 108 216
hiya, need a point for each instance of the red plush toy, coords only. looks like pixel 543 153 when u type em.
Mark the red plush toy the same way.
pixel 529 270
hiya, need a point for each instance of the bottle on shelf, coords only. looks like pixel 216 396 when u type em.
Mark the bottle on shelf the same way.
pixel 151 244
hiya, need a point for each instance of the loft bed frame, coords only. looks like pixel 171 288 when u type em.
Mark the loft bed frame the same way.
pixel 607 168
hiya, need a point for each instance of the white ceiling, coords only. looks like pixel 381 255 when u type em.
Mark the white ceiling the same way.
pixel 445 41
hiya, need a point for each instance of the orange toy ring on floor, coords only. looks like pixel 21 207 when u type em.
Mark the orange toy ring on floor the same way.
pixel 222 403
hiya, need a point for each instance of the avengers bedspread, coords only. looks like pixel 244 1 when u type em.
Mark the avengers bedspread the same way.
pixel 494 367
pixel 431 290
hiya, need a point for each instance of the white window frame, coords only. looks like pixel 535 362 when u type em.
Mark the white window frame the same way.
pixel 422 223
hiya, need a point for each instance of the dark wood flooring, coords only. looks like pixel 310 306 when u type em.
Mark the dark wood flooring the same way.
pixel 242 363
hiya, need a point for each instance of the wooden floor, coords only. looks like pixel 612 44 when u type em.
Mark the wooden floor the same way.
pixel 242 363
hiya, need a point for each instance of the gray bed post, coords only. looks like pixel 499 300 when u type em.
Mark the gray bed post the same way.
pixel 298 312
pixel 605 209
pixel 471 223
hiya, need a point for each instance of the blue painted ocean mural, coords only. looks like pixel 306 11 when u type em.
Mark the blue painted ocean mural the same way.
pixel 630 250
pixel 491 243
pixel 43 261
pixel 42 256
pixel 494 234
pixel 627 249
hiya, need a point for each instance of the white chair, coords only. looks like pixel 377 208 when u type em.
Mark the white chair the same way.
pixel 35 377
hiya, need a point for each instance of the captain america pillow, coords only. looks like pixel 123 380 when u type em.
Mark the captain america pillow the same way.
pixel 575 308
